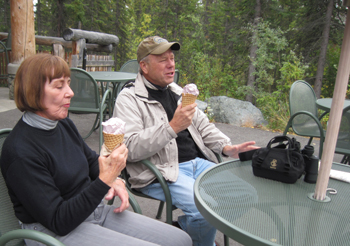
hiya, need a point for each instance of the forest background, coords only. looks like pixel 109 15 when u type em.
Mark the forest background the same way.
pixel 250 50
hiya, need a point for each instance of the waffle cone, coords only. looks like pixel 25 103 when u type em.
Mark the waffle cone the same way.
pixel 112 140
pixel 188 99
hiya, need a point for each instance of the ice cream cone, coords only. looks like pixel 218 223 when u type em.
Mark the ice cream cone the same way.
pixel 112 140
pixel 188 99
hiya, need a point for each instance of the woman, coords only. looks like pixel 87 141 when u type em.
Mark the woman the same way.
pixel 56 182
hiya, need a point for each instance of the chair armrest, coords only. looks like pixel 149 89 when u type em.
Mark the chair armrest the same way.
pixel 29 234
pixel 218 157
pixel 164 186
pixel 316 120
pixel 322 115
pixel 2 47
pixel 134 204
pixel 311 116
pixel 107 95
pixel 160 178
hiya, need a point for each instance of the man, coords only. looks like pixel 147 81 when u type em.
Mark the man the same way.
pixel 180 141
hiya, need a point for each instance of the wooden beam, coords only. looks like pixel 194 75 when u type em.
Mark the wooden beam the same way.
pixel 43 40
pixel 108 63
pixel 3 35
pixel 90 37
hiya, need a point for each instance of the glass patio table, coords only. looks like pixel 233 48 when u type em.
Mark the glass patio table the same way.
pixel 118 79
pixel 258 211
pixel 326 103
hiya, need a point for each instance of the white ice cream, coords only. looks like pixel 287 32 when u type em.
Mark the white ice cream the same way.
pixel 114 126
pixel 191 89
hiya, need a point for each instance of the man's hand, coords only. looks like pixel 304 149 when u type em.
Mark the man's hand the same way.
pixel 234 150
pixel 183 117
pixel 112 165
pixel 118 189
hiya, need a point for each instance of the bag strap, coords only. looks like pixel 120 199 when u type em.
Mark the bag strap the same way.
pixel 279 139
pixel 293 145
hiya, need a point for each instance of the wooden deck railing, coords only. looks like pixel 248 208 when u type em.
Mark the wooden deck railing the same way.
pixel 72 51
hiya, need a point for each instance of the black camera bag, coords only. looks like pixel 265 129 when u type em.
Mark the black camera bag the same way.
pixel 283 163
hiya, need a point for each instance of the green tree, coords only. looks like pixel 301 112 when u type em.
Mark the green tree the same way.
pixel 122 23
pixel 5 17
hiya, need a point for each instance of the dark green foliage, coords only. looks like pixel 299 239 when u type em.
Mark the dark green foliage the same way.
pixel 5 17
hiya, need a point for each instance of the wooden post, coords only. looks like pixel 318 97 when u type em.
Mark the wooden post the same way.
pixel 77 52
pixel 58 50
pixel 22 30
pixel 23 37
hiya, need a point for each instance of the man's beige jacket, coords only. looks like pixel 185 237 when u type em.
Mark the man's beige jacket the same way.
pixel 149 136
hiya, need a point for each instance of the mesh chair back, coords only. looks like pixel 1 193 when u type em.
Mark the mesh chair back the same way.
pixel 5 47
pixel 9 40
pixel 8 220
pixel 343 140
pixel 302 98
pixel 177 76
pixel 85 88
pixel 131 66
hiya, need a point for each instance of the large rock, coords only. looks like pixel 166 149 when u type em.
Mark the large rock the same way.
pixel 235 112
pixel 202 105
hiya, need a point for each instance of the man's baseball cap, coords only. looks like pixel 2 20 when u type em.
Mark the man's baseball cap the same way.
pixel 155 45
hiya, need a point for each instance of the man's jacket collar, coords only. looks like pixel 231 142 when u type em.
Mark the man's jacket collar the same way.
pixel 141 90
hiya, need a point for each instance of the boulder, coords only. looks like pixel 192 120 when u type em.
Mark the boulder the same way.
pixel 235 112
pixel 202 105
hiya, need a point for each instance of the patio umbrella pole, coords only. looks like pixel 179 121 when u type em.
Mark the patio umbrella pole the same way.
pixel 335 114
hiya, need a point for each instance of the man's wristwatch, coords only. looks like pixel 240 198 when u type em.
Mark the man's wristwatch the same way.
pixel 118 178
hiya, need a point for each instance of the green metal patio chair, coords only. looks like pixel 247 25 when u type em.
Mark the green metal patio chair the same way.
pixel 343 140
pixel 10 229
pixel 5 47
pixel 156 172
pixel 304 118
pixel 168 202
pixel 131 66
pixel 86 100
pixel 177 76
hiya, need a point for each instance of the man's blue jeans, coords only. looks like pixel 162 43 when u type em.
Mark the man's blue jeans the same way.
pixel 182 194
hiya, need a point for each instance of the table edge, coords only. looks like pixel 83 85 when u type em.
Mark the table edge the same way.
pixel 239 235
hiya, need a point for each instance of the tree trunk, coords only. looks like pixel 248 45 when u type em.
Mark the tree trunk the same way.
pixel 38 17
pixel 166 20
pixel 206 14
pixel 38 21
pixel 6 10
pixel 252 53
pixel 323 50
pixel 23 34
pixel 60 18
